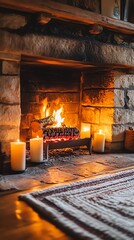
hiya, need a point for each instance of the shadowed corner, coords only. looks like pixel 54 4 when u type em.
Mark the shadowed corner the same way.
pixel 5 166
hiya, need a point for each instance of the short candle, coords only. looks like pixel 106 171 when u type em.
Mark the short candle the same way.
pixel 18 155
pixel 85 130
pixel 99 142
pixel 36 149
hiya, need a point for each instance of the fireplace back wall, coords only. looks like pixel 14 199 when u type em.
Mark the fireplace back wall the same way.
pixel 38 83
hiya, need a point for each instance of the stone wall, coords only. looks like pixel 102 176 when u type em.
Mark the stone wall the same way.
pixel 107 104
pixel 10 111
pixel 106 101
pixel 89 51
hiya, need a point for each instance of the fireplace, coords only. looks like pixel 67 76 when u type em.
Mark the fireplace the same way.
pixel 87 69
pixel 49 89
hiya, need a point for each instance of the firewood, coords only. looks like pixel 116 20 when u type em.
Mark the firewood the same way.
pixel 61 132
pixel 44 122
pixel 36 129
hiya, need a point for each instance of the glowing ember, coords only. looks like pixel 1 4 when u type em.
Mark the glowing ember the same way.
pixel 61 133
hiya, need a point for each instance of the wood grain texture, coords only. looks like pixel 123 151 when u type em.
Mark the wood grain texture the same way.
pixel 69 13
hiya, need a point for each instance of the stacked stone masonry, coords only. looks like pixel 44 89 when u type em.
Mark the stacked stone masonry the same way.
pixel 10 111
pixel 108 104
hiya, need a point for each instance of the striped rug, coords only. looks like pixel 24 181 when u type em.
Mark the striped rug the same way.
pixel 101 208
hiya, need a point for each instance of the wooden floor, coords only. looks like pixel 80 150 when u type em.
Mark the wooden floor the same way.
pixel 19 221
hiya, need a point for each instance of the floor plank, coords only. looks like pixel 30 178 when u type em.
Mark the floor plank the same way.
pixel 19 221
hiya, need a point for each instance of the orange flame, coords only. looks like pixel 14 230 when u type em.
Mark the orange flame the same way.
pixel 46 109
pixel 58 119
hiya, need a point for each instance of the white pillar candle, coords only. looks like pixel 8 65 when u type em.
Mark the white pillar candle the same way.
pixel 85 130
pixel 99 142
pixel 36 149
pixel 18 156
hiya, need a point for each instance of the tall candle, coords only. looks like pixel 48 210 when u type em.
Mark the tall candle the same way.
pixel 85 130
pixel 18 156
pixel 36 149
pixel 99 142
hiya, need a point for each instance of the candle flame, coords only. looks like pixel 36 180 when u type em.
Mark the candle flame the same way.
pixel 100 131
pixel 37 137
pixel 18 140
pixel 86 129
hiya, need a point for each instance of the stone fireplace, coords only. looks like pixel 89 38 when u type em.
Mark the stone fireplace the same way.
pixel 89 68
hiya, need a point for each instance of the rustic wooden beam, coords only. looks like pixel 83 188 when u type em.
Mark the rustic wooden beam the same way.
pixel 48 61
pixel 40 60
pixel 69 13
pixel 10 56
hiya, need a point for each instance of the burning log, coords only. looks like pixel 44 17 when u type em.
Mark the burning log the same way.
pixel 42 127
pixel 61 133
pixel 38 125
pixel 44 122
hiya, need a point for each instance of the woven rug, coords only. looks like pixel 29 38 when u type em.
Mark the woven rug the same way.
pixel 101 208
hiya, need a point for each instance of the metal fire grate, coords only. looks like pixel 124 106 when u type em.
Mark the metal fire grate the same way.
pixel 49 145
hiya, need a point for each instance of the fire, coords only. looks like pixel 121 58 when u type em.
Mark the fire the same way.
pixel 45 109
pixel 58 119
pixel 57 114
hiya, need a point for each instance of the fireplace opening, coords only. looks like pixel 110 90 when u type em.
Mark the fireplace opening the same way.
pixel 51 107
pixel 47 94
pixel 91 100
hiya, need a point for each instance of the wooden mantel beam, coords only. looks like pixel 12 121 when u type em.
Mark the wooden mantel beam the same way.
pixel 69 13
